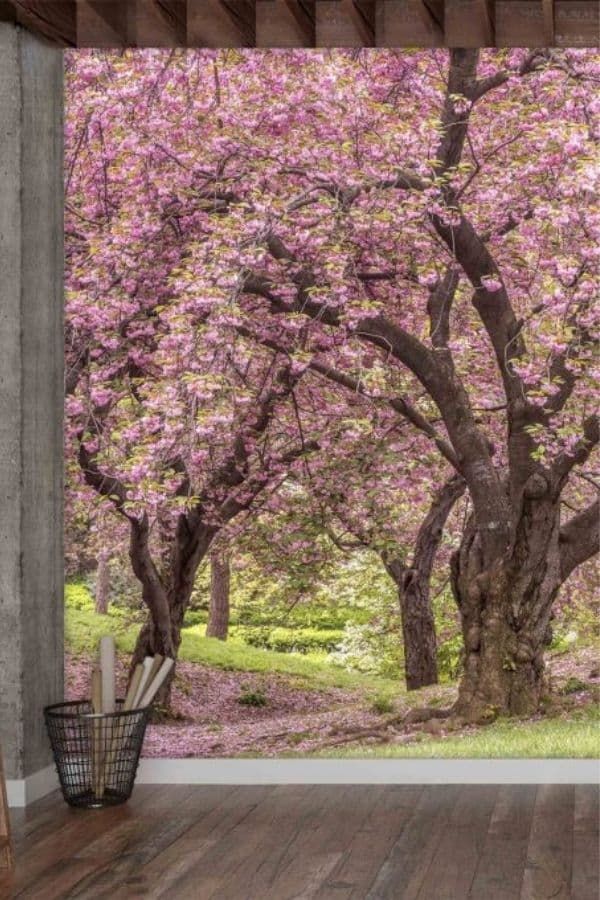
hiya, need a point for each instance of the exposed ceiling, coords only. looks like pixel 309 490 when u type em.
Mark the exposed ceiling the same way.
pixel 308 23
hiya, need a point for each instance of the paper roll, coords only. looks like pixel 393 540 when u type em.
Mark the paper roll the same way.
pixel 98 735
pixel 146 667
pixel 157 682
pixel 157 661
pixel 133 687
pixel 107 664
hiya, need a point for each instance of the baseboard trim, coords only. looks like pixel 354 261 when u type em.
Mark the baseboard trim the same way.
pixel 22 792
pixel 367 771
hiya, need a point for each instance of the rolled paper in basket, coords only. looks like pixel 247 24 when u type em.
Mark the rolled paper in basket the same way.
pixel 97 735
pixel 157 661
pixel 157 682
pixel 146 667
pixel 133 687
pixel 107 664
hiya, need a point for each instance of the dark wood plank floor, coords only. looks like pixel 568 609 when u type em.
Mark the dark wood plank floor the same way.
pixel 443 842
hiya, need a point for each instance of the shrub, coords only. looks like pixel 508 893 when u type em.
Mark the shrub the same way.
pixel 449 656
pixel 78 596
pixel 195 617
pixel 250 697
pixel 293 640
pixel 383 704
pixel 573 685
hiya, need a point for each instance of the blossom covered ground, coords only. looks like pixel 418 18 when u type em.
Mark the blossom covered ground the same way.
pixel 209 720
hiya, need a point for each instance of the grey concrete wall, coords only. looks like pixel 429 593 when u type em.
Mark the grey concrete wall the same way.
pixel 31 395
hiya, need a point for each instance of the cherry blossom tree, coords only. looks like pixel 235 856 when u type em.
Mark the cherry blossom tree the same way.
pixel 414 226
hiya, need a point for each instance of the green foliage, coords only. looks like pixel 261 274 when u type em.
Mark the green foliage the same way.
pixel 84 628
pixel 383 704
pixel 574 685
pixel 195 618
pixel 293 640
pixel 250 697
pixel 563 641
pixel 449 656
pixel 78 596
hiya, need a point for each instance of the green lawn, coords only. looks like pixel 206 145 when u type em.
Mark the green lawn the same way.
pixel 84 628
pixel 545 738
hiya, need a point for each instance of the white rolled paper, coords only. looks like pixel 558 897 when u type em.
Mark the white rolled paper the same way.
pixel 146 667
pixel 157 681
pixel 107 666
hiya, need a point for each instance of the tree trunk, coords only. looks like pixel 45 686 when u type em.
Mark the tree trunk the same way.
pixel 418 622
pixel 505 611
pixel 218 617
pixel 418 631
pixel 166 597
pixel 102 592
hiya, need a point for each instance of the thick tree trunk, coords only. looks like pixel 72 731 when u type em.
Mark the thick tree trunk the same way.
pixel 505 610
pixel 220 577
pixel 102 592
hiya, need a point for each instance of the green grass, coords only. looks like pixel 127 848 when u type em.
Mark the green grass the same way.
pixel 555 738
pixel 84 628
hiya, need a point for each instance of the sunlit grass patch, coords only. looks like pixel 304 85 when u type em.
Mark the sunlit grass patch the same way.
pixel 577 736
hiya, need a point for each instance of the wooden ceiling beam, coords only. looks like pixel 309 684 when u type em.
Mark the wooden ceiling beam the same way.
pixel 576 23
pixel 220 23
pixel 524 23
pixel 306 23
pixel 285 23
pixel 414 23
pixel 469 23
pixel 160 23
pixel 104 23
pixel 55 20
pixel 345 23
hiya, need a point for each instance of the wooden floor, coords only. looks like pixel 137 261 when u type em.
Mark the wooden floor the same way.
pixel 323 842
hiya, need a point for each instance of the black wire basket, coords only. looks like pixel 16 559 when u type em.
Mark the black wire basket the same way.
pixel 96 755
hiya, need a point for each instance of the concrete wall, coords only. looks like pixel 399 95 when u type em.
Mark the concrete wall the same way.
pixel 31 395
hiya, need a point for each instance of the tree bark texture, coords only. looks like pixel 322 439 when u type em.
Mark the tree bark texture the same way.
pixel 414 597
pixel 102 593
pixel 220 578
pixel 506 607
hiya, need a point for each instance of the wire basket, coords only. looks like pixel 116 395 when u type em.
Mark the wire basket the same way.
pixel 96 754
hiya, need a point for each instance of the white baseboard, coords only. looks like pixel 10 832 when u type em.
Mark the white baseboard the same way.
pixel 23 791
pixel 334 771
pixel 369 771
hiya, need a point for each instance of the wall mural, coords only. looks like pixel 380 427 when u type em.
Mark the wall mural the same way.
pixel 330 334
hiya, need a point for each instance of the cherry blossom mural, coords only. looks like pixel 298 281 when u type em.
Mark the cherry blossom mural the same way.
pixel 331 333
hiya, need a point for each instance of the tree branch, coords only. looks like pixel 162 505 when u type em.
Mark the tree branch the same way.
pixel 579 539
pixel 589 439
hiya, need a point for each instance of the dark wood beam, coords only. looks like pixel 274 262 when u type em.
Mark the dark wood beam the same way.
pixel 576 23
pixel 306 23
pixel 285 23
pixel 345 23
pixel 160 23
pixel 469 23
pixel 523 23
pixel 104 23
pixel 54 20
pixel 220 23
pixel 416 23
